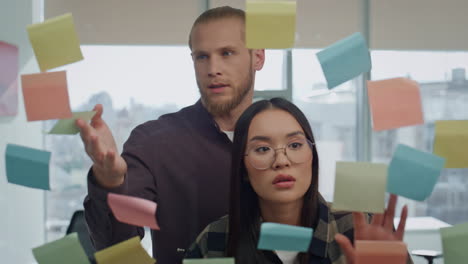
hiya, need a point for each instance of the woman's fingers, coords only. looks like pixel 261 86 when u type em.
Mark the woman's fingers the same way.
pixel 390 213
pixel 401 226
pixel 347 248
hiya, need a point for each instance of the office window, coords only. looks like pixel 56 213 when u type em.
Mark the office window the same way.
pixel 444 91
pixel 331 113
pixel 135 84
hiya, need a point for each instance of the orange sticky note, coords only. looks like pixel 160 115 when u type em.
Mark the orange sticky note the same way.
pixel 382 252
pixel 46 96
pixel 395 103
pixel 133 210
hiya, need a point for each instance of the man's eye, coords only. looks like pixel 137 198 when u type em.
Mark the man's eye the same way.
pixel 227 53
pixel 201 57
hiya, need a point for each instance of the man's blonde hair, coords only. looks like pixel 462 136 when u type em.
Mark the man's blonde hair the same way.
pixel 216 14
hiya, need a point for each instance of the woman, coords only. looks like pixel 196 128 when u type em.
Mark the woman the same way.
pixel 274 178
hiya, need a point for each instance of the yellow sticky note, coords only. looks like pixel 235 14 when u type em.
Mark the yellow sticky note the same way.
pixel 55 42
pixel 270 24
pixel 129 251
pixel 451 142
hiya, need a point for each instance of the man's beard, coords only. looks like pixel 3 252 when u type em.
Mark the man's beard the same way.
pixel 222 108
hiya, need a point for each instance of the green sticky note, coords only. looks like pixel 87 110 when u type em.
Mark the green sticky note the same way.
pixel 65 250
pixel 55 42
pixel 454 241
pixel 210 261
pixel 27 166
pixel 129 251
pixel 360 187
pixel 345 59
pixel 270 24
pixel 451 142
pixel 68 127
pixel 413 173
pixel 275 236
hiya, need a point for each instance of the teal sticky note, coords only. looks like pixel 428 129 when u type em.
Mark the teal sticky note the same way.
pixel 65 250
pixel 27 166
pixel 284 237
pixel 209 261
pixel 68 127
pixel 345 59
pixel 413 173
pixel 454 241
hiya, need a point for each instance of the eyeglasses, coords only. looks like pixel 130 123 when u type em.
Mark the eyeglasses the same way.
pixel 262 156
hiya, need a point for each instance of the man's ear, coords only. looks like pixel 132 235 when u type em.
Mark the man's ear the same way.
pixel 258 58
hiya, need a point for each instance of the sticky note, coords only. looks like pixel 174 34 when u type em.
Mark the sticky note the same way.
pixel 55 42
pixel 129 251
pixel 413 173
pixel 46 96
pixel 382 252
pixel 209 261
pixel 68 126
pixel 345 59
pixel 65 250
pixel 27 166
pixel 9 67
pixel 270 24
pixel 133 210
pixel 275 236
pixel 451 142
pixel 454 241
pixel 360 187
pixel 395 103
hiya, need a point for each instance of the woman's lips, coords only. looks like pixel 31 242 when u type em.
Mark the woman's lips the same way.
pixel 283 181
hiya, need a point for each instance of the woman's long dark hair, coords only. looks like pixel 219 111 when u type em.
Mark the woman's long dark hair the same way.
pixel 244 211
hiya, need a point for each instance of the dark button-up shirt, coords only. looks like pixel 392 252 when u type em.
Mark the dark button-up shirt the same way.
pixel 180 161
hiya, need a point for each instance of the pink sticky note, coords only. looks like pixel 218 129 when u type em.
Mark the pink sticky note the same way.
pixel 46 96
pixel 133 210
pixel 382 252
pixel 9 63
pixel 395 103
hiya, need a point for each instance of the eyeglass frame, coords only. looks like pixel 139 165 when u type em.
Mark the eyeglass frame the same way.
pixel 309 143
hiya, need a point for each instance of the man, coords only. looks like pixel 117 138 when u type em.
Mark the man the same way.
pixel 182 160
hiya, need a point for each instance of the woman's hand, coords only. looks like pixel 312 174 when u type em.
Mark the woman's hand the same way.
pixel 380 228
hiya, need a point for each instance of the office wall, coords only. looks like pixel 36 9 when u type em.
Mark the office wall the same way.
pixel 21 209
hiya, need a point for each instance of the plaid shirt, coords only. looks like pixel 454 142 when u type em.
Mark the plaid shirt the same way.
pixel 212 242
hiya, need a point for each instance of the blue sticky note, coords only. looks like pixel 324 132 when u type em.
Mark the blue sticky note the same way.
pixel 209 261
pixel 345 59
pixel 27 166
pixel 413 173
pixel 284 237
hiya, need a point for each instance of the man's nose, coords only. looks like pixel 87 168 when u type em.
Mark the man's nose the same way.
pixel 214 68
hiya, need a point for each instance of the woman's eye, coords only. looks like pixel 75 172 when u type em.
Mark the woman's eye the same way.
pixel 262 149
pixel 295 145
